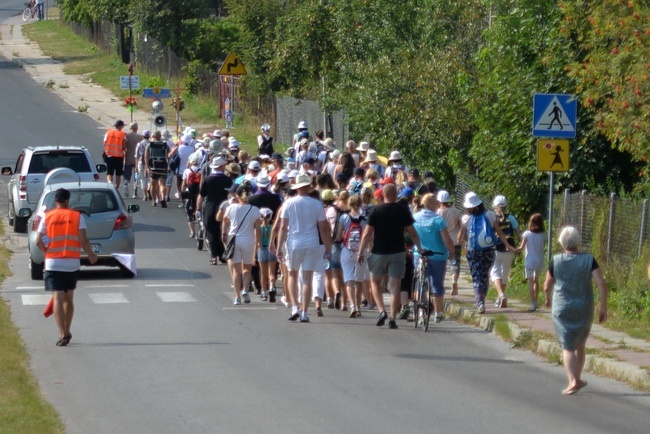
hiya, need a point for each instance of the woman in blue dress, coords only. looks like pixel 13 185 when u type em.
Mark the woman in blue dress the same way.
pixel 570 274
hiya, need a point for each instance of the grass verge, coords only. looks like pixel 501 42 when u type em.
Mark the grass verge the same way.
pixel 24 409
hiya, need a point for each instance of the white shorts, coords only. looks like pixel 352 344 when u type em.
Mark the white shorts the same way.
pixel 244 251
pixel 308 259
pixel 532 273
pixel 501 267
pixel 352 270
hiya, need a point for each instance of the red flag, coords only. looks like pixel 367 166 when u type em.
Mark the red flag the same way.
pixel 49 309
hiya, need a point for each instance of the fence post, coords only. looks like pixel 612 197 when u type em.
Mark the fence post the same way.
pixel 644 221
pixel 565 208
pixel 610 224
pixel 583 212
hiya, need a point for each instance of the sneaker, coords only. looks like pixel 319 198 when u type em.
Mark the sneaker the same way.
pixel 358 314
pixel 337 303
pixel 246 297
pixel 382 319
pixel 176 195
pixel 284 301
pixel 265 296
pixel 504 301
pixel 237 301
pixel 364 302
pixel 498 301
pixel 353 314
pixel 481 307
pixel 404 313
pixel 163 204
pixel 272 295
pixel 126 190
pixel 135 193
pixel 154 203
pixel 533 307
pixel 421 320
pixel 319 312
pixel 371 306
pixel 295 314
pixel 304 318
pixel 392 325
pixel 439 317
pixel 181 205
pixel 330 304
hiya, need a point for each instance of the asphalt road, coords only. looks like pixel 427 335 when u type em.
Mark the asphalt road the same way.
pixel 167 352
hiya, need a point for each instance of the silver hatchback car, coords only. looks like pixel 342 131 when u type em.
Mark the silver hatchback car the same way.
pixel 109 224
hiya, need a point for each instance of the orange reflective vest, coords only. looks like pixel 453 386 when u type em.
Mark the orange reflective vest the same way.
pixel 114 144
pixel 62 228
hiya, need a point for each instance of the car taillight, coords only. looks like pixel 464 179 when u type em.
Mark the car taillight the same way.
pixel 22 183
pixel 96 177
pixel 36 223
pixel 122 222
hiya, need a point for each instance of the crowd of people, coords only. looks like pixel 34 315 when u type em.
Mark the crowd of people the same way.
pixel 338 226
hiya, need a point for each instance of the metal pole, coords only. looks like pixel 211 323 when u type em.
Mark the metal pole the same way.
pixel 232 101
pixel 550 218
pixel 644 222
pixel 610 223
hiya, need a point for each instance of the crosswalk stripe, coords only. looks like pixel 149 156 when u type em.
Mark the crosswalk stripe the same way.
pixel 35 299
pixel 108 298
pixel 168 285
pixel 176 297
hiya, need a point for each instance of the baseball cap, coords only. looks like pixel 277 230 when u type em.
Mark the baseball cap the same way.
pixel 119 123
pixel 254 165
pixel 146 133
pixel 444 196
pixel 406 192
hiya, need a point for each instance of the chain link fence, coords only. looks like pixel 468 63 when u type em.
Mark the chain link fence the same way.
pixel 290 111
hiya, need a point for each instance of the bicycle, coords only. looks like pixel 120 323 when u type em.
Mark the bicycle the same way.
pixel 30 10
pixel 422 304
pixel 201 239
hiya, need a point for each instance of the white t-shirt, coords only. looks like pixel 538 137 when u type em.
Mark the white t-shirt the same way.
pixel 303 214
pixel 452 217
pixel 240 223
pixel 184 152
pixel 534 249
pixel 60 264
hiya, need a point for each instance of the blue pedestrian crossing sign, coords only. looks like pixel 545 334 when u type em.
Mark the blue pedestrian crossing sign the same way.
pixel 555 115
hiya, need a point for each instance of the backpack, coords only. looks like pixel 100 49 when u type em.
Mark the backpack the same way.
pixel 508 231
pixel 481 233
pixel 355 187
pixel 174 162
pixel 266 147
pixel 158 156
pixel 352 237
pixel 193 180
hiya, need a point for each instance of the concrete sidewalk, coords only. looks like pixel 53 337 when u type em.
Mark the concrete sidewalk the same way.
pixel 610 353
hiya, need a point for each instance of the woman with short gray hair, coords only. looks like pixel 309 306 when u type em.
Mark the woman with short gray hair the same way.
pixel 570 274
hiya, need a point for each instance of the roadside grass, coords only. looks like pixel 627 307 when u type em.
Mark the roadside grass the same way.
pixel 24 409
pixel 81 57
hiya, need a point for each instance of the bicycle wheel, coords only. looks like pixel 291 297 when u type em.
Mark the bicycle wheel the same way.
pixel 416 293
pixel 27 14
pixel 200 237
pixel 426 304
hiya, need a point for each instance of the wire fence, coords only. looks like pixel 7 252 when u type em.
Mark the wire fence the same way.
pixel 610 227
pixel 290 111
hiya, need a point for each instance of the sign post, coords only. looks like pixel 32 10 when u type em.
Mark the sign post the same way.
pixel 232 66
pixel 554 117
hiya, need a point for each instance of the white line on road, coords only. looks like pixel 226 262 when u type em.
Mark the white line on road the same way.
pixel 30 287
pixel 109 298
pixel 36 299
pixel 176 297
pixel 249 308
pixel 168 285
pixel 104 286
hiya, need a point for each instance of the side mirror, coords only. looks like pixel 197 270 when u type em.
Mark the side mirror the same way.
pixel 25 213
pixel 7 171
pixel 133 208
pixel 101 168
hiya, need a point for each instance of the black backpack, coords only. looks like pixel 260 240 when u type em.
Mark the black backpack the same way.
pixel 266 147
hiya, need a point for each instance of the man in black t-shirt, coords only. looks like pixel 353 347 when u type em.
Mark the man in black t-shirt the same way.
pixel 386 225
pixel 213 192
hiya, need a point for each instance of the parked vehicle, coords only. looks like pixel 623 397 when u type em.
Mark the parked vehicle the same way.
pixel 27 178
pixel 108 220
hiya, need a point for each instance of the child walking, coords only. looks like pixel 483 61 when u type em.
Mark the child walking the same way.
pixel 266 259
pixel 533 242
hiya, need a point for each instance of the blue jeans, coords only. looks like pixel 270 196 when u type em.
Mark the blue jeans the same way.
pixel 40 10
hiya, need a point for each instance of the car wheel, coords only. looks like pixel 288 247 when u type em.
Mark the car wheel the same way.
pixel 36 270
pixel 125 272
pixel 20 225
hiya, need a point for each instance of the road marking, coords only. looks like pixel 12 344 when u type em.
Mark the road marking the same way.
pixel 169 285
pixel 30 287
pixel 108 298
pixel 250 308
pixel 176 297
pixel 104 286
pixel 36 299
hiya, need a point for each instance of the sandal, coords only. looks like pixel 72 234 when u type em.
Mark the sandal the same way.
pixel 213 261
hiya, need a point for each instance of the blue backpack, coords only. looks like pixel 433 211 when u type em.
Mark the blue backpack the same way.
pixel 481 233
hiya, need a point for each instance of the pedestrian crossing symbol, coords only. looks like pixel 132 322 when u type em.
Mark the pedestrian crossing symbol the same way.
pixel 554 116
pixel 553 155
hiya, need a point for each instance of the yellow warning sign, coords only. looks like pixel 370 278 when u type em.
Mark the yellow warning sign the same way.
pixel 553 155
pixel 232 66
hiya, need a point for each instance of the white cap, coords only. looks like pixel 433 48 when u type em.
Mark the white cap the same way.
pixel 444 196
pixel 499 201
pixel 254 165
pixel 472 200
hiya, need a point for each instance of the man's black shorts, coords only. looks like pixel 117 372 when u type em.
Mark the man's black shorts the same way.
pixel 115 166
pixel 61 280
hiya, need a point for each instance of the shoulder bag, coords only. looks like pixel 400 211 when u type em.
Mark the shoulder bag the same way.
pixel 230 244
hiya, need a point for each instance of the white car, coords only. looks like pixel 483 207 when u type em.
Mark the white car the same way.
pixel 108 220
pixel 28 177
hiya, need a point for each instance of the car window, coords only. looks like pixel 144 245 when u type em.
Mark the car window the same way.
pixel 87 201
pixel 46 161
